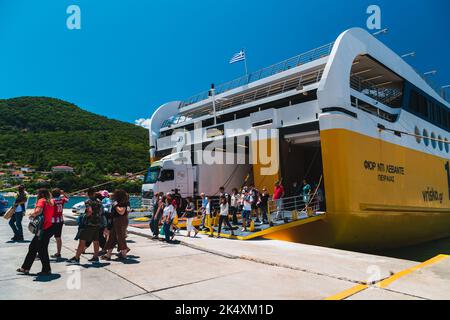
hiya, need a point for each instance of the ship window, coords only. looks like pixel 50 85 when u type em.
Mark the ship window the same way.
pixel 444 117
pixel 440 144
pixel 426 139
pixel 417 133
pixel 433 140
pixel 419 104
pixel 167 175
pixel 446 146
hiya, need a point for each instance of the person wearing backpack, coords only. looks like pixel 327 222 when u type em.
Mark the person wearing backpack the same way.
pixel 44 211
pixel 158 208
pixel 169 215
pixel 190 215
pixel 255 202
pixel 90 229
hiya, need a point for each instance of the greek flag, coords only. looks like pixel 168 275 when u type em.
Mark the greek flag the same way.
pixel 238 57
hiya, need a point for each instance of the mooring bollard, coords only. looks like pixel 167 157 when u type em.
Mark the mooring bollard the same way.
pixel 294 215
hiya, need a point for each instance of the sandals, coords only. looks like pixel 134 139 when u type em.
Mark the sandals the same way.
pixel 106 258
pixel 23 271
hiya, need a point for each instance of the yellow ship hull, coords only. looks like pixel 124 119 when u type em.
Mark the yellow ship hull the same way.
pixel 378 195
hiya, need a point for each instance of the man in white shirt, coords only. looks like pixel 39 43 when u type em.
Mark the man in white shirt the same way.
pixel 247 211
pixel 15 222
pixel 169 215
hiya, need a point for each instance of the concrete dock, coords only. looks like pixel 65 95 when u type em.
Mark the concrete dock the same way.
pixel 219 269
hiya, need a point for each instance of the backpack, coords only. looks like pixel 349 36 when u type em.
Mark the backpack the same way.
pixel 95 219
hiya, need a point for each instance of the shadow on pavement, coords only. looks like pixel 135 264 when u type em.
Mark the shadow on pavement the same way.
pixel 18 242
pixel 127 261
pixel 94 265
pixel 48 278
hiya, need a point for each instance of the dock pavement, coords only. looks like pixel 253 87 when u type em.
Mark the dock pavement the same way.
pixel 220 269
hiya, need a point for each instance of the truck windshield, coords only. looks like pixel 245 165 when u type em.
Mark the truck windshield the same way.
pixel 152 175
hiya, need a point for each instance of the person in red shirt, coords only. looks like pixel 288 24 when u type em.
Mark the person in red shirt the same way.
pixel 59 200
pixel 278 196
pixel 39 244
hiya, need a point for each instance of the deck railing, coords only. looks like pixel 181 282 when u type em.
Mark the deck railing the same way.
pixel 286 207
pixel 387 96
pixel 248 97
pixel 296 61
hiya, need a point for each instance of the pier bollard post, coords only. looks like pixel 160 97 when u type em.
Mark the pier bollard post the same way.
pixel 252 226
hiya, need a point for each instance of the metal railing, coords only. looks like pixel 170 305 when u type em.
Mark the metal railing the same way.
pixel 296 61
pixel 251 96
pixel 271 90
pixel 387 96
pixel 308 204
pixel 362 105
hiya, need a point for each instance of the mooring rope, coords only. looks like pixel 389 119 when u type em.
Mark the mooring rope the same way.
pixel 82 190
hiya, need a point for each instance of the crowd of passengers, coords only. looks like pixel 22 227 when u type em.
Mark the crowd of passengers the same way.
pixel 235 210
pixel 103 225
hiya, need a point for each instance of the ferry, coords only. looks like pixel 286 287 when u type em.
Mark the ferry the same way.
pixel 353 116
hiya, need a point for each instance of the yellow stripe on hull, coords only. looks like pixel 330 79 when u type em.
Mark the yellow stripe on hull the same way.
pixel 378 195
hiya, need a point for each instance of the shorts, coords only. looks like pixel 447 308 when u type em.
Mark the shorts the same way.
pixel 57 229
pixel 89 234
pixel 246 214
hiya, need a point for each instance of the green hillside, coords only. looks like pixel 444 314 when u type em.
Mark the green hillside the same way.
pixel 44 132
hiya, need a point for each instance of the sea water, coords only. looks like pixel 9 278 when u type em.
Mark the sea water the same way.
pixel 134 201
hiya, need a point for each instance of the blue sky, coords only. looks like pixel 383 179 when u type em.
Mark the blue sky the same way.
pixel 132 56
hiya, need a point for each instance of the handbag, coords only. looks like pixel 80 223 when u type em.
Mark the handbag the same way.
pixel 8 215
pixel 36 224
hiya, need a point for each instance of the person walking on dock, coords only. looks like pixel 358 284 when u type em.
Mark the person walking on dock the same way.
pixel 44 211
pixel 190 215
pixel 263 204
pixel 234 204
pixel 247 210
pixel 255 199
pixel 169 214
pixel 209 212
pixel 20 206
pixel 278 196
pixel 223 217
pixel 157 215
pixel 204 203
pixel 89 231
pixel 118 233
pixel 59 200
pixel 3 205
